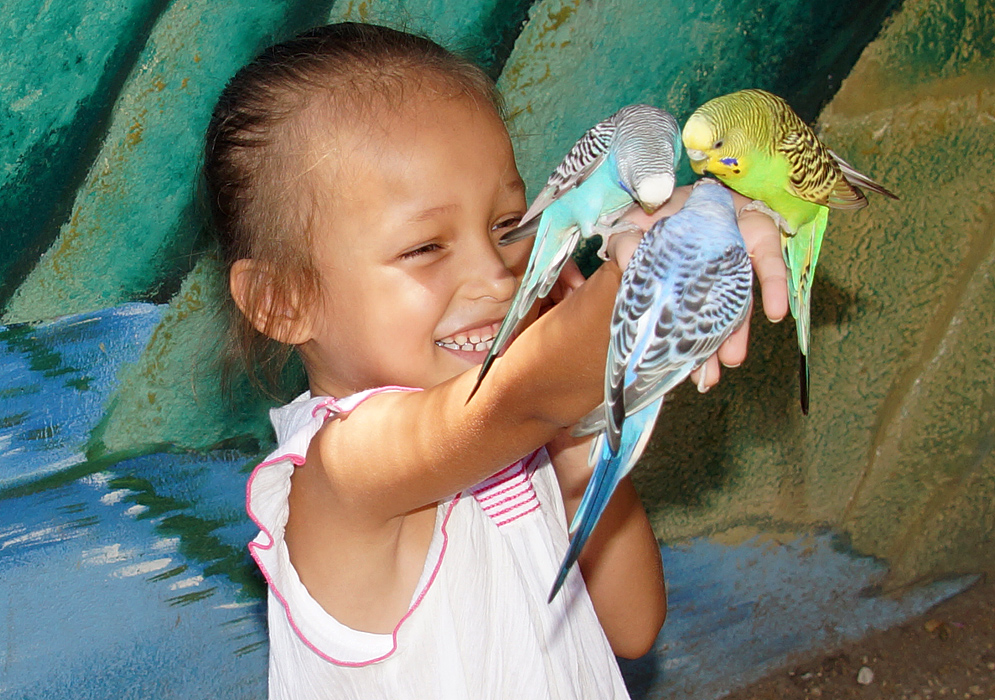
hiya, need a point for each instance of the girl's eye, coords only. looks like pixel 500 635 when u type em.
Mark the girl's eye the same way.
pixel 421 250
pixel 509 223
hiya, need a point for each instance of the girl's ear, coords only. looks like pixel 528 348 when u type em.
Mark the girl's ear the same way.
pixel 272 313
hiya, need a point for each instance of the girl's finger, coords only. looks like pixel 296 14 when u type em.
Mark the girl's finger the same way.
pixel 763 243
pixel 732 352
pixel 711 374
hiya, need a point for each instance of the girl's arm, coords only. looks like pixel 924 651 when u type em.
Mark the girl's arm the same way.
pixel 621 561
pixel 362 506
pixel 397 452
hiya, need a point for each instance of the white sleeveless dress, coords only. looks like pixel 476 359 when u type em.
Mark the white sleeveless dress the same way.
pixel 478 625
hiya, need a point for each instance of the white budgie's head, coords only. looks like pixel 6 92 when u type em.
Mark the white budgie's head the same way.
pixel 653 190
pixel 647 148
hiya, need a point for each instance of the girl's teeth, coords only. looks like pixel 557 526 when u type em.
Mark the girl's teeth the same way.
pixel 474 339
pixel 460 339
pixel 466 346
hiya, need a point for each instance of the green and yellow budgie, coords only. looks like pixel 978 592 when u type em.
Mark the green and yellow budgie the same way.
pixel 754 142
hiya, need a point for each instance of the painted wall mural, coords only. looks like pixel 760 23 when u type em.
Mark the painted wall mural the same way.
pixel 123 568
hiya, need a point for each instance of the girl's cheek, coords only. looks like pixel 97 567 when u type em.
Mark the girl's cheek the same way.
pixel 516 257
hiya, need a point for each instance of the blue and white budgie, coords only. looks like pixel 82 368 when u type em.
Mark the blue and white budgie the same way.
pixel 630 156
pixel 687 287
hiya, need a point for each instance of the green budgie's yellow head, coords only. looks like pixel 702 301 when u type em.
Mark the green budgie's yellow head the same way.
pixel 723 136
pixel 714 147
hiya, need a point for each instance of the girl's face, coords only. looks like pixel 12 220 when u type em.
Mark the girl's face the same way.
pixel 413 284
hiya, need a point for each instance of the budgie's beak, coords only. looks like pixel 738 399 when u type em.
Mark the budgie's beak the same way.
pixel 653 191
pixel 699 160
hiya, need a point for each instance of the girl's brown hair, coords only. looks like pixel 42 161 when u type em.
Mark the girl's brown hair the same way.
pixel 261 194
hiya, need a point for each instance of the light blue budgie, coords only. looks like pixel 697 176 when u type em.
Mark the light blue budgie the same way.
pixel 687 287
pixel 630 156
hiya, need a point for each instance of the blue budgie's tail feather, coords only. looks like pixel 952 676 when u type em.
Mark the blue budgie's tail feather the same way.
pixel 610 469
pixel 521 233
pixel 500 340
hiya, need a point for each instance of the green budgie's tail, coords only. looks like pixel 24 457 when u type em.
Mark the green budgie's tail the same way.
pixel 801 253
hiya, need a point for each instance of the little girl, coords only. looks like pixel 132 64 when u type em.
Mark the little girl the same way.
pixel 360 180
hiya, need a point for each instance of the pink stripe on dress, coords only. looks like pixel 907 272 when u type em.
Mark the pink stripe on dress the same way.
pixel 508 495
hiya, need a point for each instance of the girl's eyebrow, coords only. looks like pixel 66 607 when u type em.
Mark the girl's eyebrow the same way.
pixel 433 212
pixel 516 184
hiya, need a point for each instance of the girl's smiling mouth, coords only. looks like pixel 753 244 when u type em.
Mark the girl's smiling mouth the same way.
pixel 473 340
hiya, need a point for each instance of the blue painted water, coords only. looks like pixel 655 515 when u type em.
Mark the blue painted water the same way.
pixel 127 580
pixel 132 580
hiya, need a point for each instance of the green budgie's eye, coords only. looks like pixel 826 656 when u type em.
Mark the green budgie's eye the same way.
pixel 718 144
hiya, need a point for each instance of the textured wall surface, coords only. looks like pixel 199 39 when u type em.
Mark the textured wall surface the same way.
pixel 108 408
pixel 897 449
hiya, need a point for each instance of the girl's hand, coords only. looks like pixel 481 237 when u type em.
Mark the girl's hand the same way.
pixel 763 243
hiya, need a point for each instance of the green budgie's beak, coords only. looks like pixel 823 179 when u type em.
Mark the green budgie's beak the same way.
pixel 699 165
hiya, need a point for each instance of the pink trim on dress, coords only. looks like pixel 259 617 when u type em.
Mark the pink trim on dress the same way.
pixel 253 546
pixel 334 406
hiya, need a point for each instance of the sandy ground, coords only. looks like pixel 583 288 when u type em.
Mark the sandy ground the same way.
pixel 947 653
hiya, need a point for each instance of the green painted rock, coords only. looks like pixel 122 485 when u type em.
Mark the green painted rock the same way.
pixel 133 226
pixel 576 62
pixel 59 63
pixel 171 396
pixel 482 30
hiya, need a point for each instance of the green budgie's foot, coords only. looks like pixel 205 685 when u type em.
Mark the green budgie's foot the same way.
pixel 803 381
pixel 757 205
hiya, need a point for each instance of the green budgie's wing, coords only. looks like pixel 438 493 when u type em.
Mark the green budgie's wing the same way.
pixel 856 179
pixel 815 175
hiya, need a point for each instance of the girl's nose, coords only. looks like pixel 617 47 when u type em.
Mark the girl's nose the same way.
pixel 487 275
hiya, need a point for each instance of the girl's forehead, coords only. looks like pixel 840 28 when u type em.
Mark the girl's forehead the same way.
pixel 425 129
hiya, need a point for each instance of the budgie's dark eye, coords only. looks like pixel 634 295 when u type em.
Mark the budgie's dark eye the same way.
pixel 718 144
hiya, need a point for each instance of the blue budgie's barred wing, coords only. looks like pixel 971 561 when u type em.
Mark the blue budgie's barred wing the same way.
pixel 580 162
pixel 697 300
pixel 637 293
pixel 715 302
